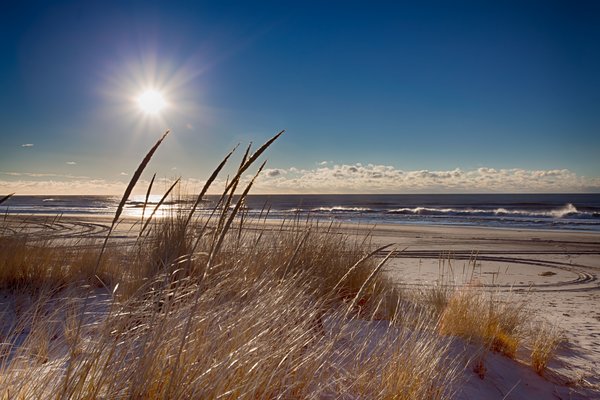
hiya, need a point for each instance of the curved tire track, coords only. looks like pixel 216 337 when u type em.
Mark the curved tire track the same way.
pixel 38 229
pixel 585 280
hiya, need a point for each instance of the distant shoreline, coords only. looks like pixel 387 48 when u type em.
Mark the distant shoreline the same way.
pixel 346 225
pixel 563 212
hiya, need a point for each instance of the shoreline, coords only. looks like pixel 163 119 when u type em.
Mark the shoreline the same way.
pixel 278 220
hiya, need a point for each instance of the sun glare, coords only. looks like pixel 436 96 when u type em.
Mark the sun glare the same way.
pixel 151 102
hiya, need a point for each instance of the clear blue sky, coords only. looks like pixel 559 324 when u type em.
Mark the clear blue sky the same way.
pixel 471 88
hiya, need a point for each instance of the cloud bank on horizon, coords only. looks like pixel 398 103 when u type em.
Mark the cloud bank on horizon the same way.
pixel 338 179
pixel 370 178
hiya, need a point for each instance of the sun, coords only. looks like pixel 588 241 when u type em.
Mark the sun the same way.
pixel 151 102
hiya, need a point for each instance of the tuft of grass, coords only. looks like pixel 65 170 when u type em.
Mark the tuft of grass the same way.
pixel 34 266
pixel 481 318
pixel 437 297
pixel 546 338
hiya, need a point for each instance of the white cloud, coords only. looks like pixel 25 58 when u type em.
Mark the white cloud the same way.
pixel 71 163
pixel 43 175
pixel 343 178
pixel 87 186
pixel 70 184
pixel 27 145
pixel 370 178
pixel 123 174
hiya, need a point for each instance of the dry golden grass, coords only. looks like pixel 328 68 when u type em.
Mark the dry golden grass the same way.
pixel 480 317
pixel 37 265
pixel 545 340
pixel 220 306
pixel 263 322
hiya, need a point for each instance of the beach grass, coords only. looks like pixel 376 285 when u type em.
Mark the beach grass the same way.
pixel 268 319
pixel 475 315
pixel 546 339
pixel 221 305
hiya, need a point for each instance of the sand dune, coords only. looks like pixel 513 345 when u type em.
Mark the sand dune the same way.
pixel 556 271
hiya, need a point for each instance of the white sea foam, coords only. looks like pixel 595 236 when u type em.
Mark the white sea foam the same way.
pixel 569 210
pixel 565 211
pixel 342 209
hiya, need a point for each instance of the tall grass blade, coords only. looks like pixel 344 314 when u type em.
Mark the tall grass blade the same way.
pixel 158 205
pixel 245 156
pixel 147 197
pixel 128 190
pixel 253 158
pixel 209 182
pixel 136 177
pixel 232 216
pixel 2 200
pixel 356 264
pixel 366 283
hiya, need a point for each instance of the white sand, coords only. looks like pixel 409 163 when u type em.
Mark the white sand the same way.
pixel 556 271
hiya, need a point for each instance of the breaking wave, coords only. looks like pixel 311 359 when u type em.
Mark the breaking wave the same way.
pixel 341 209
pixel 568 210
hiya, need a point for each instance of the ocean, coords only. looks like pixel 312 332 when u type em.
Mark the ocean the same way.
pixel 538 211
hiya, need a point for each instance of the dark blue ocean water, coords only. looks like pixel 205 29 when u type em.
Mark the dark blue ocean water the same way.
pixel 541 211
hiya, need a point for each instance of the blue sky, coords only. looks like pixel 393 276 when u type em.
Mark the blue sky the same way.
pixel 375 96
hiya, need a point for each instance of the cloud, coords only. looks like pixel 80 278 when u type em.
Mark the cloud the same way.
pixel 32 183
pixel 371 178
pixel 71 163
pixel 27 145
pixel 339 178
pixel 484 170
pixel 323 163
pixel 274 172
pixel 51 187
pixel 43 175
pixel 189 126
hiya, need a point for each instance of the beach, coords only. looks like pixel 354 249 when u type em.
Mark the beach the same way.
pixel 387 200
pixel 555 272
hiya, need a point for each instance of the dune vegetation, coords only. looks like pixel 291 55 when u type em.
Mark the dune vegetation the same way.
pixel 228 306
